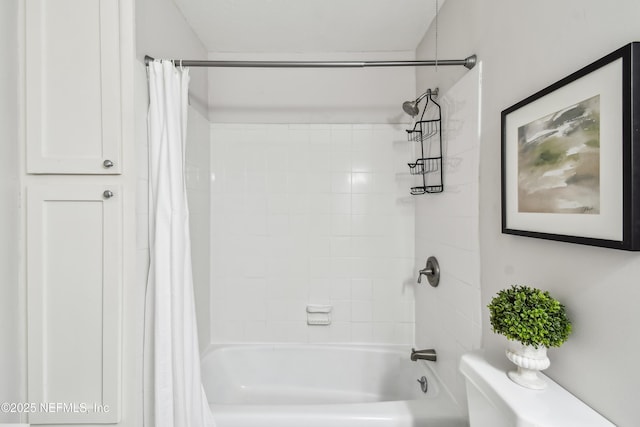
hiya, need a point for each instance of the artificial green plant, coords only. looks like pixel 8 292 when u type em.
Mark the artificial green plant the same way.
pixel 530 316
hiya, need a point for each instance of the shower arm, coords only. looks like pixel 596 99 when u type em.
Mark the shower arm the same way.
pixel 468 63
pixel 429 92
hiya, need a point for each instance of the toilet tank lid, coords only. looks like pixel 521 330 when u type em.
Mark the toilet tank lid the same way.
pixel 553 406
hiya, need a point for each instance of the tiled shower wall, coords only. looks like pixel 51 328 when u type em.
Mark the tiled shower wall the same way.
pixel 448 317
pixel 311 214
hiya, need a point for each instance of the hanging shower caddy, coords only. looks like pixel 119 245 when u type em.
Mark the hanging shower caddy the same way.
pixel 428 134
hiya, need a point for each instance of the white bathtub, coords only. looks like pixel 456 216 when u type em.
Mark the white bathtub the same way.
pixel 301 385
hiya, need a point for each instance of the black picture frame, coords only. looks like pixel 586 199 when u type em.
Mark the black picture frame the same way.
pixel 571 157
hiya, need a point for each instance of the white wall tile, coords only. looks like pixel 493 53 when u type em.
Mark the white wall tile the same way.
pixel 361 289
pixel 320 267
pixel 340 161
pixel 282 288
pixel 318 182
pixel 226 330
pixel 320 203
pixel 363 183
pixel 340 332
pixel 309 214
pixel 361 311
pixel 446 226
pixel 341 310
pixel 340 246
pixel 363 160
pixel 276 181
pixel 255 331
pixel 341 268
pixel 319 334
pixel 298 184
pixel 362 332
pixel 340 204
pixel 319 225
pixel 286 331
pixel 383 332
pixel 341 182
pixel 340 225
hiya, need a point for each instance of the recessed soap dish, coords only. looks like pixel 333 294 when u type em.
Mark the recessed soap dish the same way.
pixel 319 314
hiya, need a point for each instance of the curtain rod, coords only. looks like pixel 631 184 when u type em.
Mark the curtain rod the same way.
pixel 468 62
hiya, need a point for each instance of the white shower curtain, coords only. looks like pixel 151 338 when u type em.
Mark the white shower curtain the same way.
pixel 178 398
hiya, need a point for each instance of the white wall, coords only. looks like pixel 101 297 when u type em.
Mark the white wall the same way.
pixel 311 214
pixel 12 301
pixel 163 33
pixel 448 317
pixel 358 95
pixel 524 47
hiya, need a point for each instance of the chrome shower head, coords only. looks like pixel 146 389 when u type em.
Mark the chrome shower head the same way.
pixel 411 107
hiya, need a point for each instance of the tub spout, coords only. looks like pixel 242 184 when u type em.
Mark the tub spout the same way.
pixel 428 354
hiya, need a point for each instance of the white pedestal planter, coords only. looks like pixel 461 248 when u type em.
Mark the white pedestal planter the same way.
pixel 529 361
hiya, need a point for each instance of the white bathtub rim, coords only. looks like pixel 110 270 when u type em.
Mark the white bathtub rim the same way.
pixel 402 348
pixel 375 347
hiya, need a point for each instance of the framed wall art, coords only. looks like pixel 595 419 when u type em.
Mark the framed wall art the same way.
pixel 571 157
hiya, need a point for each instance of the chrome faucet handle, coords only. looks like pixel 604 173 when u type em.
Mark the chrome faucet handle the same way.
pixel 426 272
pixel 432 271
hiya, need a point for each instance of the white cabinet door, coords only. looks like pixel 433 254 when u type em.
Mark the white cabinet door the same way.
pixel 73 112
pixel 74 276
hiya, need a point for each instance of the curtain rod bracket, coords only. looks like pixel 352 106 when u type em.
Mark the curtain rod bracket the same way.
pixel 470 61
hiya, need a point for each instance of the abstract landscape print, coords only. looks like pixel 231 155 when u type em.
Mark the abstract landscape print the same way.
pixel 559 161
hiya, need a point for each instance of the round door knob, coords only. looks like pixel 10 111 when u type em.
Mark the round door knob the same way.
pixel 107 164
pixel 107 194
